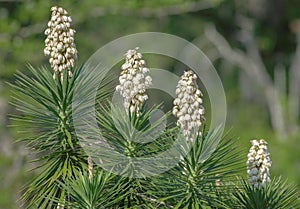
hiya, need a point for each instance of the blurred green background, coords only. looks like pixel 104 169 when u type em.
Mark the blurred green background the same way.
pixel 253 44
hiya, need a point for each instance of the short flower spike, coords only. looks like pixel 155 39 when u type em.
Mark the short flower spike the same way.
pixel 188 105
pixel 60 46
pixel 258 164
pixel 134 80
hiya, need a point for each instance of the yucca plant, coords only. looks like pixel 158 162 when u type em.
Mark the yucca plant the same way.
pixel 128 134
pixel 46 118
pixel 276 194
pixel 195 182
pixel 44 100
pixel 45 106
pixel 198 170
pixel 96 191
pixel 261 191
pixel 201 180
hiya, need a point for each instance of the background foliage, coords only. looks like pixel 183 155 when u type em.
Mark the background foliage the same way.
pixel 97 22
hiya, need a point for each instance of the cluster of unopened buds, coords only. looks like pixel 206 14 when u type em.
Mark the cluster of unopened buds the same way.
pixel 60 46
pixel 188 105
pixel 134 80
pixel 258 164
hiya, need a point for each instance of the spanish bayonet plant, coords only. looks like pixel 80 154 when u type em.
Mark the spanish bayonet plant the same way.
pixel 262 191
pixel 67 177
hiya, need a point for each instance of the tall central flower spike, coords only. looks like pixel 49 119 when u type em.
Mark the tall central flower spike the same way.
pixel 258 164
pixel 60 46
pixel 134 80
pixel 188 105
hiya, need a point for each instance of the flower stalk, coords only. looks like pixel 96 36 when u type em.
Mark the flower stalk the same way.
pixel 90 168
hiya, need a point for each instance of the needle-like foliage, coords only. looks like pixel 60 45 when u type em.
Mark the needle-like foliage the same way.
pixel 202 177
pixel 45 118
pixel 277 194
pixel 98 192
pixel 133 136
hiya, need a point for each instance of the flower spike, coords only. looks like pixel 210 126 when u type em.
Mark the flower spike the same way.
pixel 258 164
pixel 188 105
pixel 60 46
pixel 134 80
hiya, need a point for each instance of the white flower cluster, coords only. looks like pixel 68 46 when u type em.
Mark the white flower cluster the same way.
pixel 59 43
pixel 188 105
pixel 258 164
pixel 134 81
